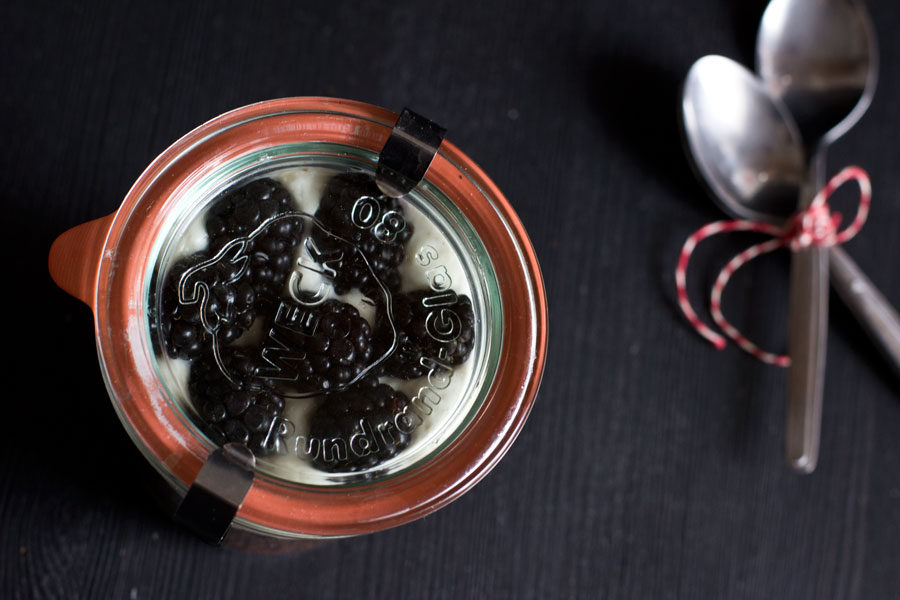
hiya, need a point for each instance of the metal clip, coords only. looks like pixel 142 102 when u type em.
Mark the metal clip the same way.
pixel 217 492
pixel 407 154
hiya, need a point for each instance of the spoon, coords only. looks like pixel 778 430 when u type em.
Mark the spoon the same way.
pixel 819 57
pixel 746 149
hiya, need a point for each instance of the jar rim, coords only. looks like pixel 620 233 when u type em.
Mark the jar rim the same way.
pixel 297 512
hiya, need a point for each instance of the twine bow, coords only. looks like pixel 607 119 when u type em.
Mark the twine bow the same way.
pixel 815 226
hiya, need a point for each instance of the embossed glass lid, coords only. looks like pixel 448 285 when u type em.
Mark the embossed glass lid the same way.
pixel 341 334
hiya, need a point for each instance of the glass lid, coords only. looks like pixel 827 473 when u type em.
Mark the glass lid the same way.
pixel 343 335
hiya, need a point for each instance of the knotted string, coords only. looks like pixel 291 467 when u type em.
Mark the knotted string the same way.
pixel 815 226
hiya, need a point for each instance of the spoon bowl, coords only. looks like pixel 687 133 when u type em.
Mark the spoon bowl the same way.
pixel 742 141
pixel 821 58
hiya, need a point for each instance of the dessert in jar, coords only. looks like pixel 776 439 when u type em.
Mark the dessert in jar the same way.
pixel 370 353
pixel 327 326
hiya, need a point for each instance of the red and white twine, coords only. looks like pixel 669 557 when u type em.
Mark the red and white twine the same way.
pixel 815 226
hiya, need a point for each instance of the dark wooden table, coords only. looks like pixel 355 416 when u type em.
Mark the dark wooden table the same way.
pixel 652 465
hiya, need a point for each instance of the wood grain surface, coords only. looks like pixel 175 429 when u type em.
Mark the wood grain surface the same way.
pixel 652 465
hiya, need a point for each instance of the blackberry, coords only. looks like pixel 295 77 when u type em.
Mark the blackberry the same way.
pixel 243 411
pixel 229 307
pixel 237 293
pixel 380 232
pixel 238 212
pixel 320 348
pixel 359 428
pixel 439 326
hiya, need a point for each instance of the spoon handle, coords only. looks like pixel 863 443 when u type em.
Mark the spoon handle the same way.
pixel 806 342
pixel 870 308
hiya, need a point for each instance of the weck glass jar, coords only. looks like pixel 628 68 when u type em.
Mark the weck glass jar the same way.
pixel 372 355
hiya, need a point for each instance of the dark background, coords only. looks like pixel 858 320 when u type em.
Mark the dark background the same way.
pixel 652 465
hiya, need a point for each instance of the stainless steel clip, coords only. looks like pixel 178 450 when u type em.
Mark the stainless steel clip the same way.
pixel 407 154
pixel 217 493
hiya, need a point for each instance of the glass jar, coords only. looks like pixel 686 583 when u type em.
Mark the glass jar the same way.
pixel 377 356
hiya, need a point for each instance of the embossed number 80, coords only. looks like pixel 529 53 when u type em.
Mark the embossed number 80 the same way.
pixel 366 213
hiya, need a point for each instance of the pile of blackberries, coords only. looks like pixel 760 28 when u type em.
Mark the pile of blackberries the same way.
pixel 238 385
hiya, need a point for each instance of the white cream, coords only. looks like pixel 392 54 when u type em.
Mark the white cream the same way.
pixel 194 239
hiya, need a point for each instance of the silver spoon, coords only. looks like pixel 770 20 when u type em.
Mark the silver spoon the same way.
pixel 747 150
pixel 820 58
